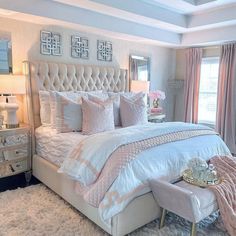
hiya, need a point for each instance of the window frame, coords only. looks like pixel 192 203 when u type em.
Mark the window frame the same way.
pixel 209 60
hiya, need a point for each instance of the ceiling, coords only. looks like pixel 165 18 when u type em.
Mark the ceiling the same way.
pixel 175 23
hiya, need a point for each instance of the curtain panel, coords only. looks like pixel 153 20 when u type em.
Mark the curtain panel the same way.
pixel 226 104
pixel 192 78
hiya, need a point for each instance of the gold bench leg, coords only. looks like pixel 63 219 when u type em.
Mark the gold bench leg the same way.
pixel 163 216
pixel 194 229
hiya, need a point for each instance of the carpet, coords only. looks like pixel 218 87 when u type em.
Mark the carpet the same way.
pixel 37 211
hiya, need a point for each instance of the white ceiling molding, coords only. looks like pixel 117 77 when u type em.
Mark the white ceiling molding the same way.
pixel 134 10
pixel 139 8
pixel 201 2
pixel 176 23
pixel 219 16
pixel 86 17
pixel 210 37
pixel 191 6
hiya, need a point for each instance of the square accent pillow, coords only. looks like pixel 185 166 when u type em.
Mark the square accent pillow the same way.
pixel 97 116
pixel 73 96
pixel 116 103
pixel 133 111
pixel 68 114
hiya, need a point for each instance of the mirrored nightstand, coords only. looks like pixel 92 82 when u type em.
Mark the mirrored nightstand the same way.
pixel 15 151
pixel 156 118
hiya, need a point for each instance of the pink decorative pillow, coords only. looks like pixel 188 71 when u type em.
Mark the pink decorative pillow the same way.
pixel 133 111
pixel 116 103
pixel 97 116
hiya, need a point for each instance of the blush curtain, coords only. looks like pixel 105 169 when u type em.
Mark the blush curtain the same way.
pixel 226 111
pixel 192 81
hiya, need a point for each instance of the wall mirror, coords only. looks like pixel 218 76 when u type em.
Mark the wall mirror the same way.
pixel 139 68
pixel 5 54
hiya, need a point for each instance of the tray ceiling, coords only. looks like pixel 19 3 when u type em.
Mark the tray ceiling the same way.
pixel 176 23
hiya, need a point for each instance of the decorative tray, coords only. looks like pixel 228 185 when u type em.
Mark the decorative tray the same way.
pixel 188 177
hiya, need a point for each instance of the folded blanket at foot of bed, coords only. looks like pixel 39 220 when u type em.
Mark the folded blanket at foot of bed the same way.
pixel 226 191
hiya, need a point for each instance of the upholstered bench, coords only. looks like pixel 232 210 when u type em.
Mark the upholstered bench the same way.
pixel 188 201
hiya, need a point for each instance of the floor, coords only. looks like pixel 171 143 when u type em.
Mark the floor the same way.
pixel 16 181
pixel 25 210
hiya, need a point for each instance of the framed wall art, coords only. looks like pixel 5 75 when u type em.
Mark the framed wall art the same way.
pixel 79 47
pixel 104 50
pixel 50 43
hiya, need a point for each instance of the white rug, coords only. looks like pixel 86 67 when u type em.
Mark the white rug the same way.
pixel 37 211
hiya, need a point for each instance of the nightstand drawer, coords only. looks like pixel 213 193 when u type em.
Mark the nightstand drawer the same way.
pixel 15 150
pixel 156 118
pixel 12 140
pixel 19 166
pixel 5 170
pixel 16 153
pixel 13 168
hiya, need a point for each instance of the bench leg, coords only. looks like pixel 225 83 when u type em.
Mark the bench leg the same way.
pixel 163 216
pixel 194 229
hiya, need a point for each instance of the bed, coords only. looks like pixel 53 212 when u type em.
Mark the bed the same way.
pixel 63 77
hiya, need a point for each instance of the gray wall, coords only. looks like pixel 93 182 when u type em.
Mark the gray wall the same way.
pixel 25 46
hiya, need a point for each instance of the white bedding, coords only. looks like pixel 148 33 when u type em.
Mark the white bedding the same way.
pixel 54 146
pixel 87 162
pixel 165 160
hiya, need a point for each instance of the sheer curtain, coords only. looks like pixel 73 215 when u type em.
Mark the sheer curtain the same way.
pixel 192 81
pixel 226 110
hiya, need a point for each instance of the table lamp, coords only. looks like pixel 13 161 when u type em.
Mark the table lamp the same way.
pixel 140 86
pixel 11 85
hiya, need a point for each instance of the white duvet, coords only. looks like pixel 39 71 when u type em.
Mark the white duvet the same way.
pixel 167 160
pixel 54 146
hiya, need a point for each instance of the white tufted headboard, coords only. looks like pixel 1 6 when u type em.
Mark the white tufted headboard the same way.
pixel 69 77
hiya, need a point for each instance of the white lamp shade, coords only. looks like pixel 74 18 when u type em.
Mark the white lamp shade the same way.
pixel 12 84
pixel 140 86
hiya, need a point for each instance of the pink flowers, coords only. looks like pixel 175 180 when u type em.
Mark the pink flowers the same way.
pixel 158 94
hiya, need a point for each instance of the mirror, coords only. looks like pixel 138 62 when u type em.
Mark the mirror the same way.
pixel 5 55
pixel 139 68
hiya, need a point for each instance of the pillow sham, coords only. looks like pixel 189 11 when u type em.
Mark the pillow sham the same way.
pixel 116 107
pixel 72 95
pixel 133 111
pixel 68 114
pixel 116 103
pixel 45 110
pixel 97 116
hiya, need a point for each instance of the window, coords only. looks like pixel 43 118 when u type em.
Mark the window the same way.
pixel 208 91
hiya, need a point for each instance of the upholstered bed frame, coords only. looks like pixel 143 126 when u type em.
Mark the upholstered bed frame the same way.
pixel 68 77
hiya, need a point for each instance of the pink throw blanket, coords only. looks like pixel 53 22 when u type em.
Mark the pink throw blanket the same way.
pixel 226 191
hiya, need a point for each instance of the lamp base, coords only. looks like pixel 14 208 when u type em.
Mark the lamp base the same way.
pixel 12 126
pixel 12 121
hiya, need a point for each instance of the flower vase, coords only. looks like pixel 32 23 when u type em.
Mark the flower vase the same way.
pixel 156 103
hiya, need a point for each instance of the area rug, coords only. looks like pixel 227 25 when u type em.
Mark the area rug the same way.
pixel 37 211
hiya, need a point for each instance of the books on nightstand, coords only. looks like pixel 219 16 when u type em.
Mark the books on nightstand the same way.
pixel 157 111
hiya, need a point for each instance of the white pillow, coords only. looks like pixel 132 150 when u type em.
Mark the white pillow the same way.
pixel 97 116
pixel 68 114
pixel 45 111
pixel 133 111
pixel 116 107
pixel 73 96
